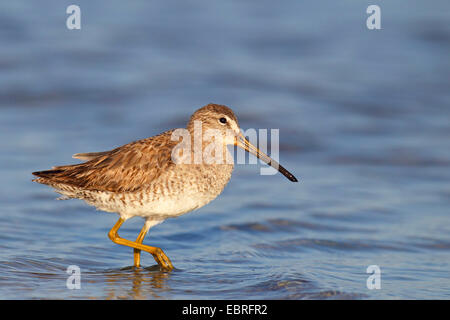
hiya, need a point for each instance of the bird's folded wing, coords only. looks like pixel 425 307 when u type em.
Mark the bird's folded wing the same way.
pixel 124 169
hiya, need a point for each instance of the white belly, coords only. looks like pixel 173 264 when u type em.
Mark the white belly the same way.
pixel 129 205
pixel 166 207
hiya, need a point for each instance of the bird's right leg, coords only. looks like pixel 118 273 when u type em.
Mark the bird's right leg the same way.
pixel 140 239
pixel 159 255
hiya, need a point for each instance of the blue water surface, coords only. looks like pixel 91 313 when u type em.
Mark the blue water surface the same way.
pixel 363 117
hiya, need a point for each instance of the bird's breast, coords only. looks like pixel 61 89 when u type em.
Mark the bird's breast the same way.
pixel 182 189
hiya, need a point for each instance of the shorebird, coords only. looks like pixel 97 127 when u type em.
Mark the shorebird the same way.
pixel 147 178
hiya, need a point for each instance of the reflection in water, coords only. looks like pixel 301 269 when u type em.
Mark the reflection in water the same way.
pixel 137 283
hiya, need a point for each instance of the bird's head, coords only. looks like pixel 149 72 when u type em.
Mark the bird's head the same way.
pixel 219 121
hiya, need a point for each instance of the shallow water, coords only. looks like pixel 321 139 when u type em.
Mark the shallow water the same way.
pixel 364 123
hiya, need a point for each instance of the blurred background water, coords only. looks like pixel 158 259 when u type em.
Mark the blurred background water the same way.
pixel 363 118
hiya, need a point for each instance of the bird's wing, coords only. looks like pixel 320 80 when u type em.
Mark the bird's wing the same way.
pixel 124 169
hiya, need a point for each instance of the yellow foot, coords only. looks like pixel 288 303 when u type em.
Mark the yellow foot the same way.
pixel 159 256
pixel 162 259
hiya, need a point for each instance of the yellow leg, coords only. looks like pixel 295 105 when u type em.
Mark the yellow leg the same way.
pixel 139 239
pixel 159 255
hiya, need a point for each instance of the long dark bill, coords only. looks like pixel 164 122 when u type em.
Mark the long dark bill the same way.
pixel 243 143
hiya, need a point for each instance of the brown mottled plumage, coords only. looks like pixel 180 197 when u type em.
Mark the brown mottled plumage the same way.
pixel 142 179
pixel 124 169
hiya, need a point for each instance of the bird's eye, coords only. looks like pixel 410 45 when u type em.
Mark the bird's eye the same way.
pixel 223 120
